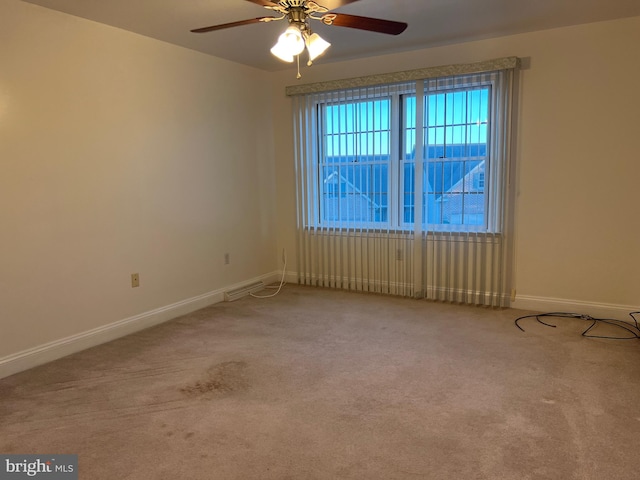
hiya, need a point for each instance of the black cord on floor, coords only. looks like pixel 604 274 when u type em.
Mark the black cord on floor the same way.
pixel 632 328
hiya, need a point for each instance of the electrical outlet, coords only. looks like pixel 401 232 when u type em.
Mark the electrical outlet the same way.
pixel 513 294
pixel 135 280
pixel 227 259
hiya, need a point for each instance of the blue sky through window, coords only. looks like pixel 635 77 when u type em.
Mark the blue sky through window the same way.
pixel 358 129
pixel 452 118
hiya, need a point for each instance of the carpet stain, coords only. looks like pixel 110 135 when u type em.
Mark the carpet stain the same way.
pixel 223 378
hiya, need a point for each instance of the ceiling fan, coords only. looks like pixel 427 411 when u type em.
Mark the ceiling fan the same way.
pixel 298 34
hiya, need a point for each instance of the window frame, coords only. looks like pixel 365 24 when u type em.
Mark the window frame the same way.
pixel 396 160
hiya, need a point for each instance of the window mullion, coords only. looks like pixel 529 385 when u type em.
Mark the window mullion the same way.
pixel 394 165
pixel 419 154
pixel 418 201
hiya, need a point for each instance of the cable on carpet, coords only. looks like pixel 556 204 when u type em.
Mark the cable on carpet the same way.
pixel 633 329
pixel 282 282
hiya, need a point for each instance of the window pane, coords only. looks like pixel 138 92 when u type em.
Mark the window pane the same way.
pixel 408 193
pixel 456 132
pixel 355 173
pixel 455 108
pixel 436 110
pixel 407 174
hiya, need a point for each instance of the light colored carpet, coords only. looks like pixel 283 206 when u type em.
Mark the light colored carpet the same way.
pixel 322 384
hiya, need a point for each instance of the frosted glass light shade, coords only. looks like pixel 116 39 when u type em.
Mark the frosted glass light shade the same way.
pixel 290 43
pixel 280 50
pixel 316 46
pixel 292 40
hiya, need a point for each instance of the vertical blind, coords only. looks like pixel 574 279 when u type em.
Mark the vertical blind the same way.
pixel 402 187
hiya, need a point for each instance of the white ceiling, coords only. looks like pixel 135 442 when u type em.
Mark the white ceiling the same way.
pixel 431 23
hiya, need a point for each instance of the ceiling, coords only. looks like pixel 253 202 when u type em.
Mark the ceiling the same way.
pixel 431 23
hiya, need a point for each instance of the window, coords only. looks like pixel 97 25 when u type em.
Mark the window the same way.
pixel 368 142
pixel 455 153
pixel 355 161
pixel 402 187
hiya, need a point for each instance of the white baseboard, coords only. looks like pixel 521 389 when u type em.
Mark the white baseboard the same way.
pixel 290 277
pixel 48 352
pixel 548 304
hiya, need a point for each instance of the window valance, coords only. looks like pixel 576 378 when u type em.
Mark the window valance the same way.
pixel 504 63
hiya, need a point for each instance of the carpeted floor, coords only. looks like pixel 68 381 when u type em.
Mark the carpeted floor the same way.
pixel 322 384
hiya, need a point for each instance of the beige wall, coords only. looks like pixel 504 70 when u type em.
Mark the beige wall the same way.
pixel 122 154
pixel 577 226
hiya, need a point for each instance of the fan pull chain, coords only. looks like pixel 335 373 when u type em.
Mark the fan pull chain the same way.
pixel 298 58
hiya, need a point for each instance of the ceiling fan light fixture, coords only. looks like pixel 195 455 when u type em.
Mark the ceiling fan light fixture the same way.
pixel 316 45
pixel 298 35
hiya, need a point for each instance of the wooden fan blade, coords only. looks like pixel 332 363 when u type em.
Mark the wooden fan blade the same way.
pixel 333 4
pixel 365 23
pixel 232 24
pixel 264 3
